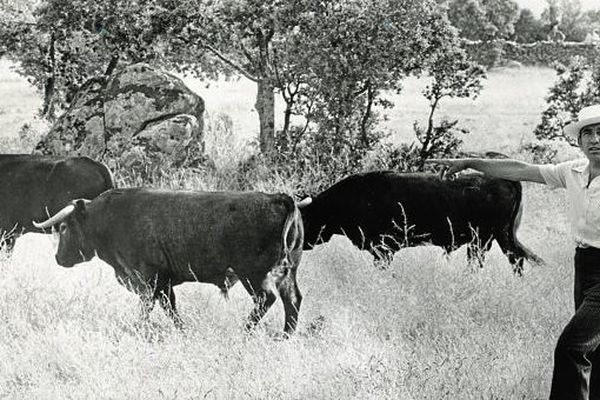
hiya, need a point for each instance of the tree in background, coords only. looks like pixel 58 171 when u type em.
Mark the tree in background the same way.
pixel 483 19
pixel 577 86
pixel 528 28
pixel 60 44
pixel 571 21
pixel 356 53
pixel 453 76
pixel 568 18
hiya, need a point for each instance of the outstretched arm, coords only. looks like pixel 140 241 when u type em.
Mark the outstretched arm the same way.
pixel 513 170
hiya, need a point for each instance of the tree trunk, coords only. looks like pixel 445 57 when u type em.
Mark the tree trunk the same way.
pixel 265 106
pixel 365 119
pixel 287 115
pixel 425 144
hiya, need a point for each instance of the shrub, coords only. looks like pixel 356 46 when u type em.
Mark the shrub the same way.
pixel 577 86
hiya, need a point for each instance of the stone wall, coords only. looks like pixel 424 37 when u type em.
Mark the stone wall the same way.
pixel 500 52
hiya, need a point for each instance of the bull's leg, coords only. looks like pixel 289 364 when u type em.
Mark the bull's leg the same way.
pixel 166 297
pixel 291 298
pixel 515 253
pixel 262 289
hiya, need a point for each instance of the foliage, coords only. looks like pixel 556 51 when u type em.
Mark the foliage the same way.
pixel 322 156
pixel 453 76
pixel 542 153
pixel 561 20
pixel 342 92
pixel 528 28
pixel 61 44
pixel 483 19
pixel 577 86
pixel 569 18
pixel 346 60
pixel 362 52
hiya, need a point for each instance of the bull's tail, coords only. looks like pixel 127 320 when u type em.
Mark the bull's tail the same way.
pixel 292 235
pixel 109 179
pixel 521 250
pixel 292 243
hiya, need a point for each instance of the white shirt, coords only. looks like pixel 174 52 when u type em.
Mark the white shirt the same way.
pixel 583 199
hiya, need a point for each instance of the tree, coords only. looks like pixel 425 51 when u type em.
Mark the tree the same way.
pixel 468 16
pixel 62 44
pixel 483 19
pixel 357 52
pixel 557 17
pixel 528 28
pixel 502 15
pixel 453 76
pixel 577 86
pixel 571 21
pixel 328 60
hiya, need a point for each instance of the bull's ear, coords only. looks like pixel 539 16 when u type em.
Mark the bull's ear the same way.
pixel 81 205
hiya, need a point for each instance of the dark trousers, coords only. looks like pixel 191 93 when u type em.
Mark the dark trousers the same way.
pixel 577 355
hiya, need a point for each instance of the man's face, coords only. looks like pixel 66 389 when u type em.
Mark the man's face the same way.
pixel 589 141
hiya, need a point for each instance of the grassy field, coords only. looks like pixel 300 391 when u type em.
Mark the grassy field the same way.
pixel 427 328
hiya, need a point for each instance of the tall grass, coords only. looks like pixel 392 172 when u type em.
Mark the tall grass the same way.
pixel 427 327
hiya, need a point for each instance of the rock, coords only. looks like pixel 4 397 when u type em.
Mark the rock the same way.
pixel 139 95
pixel 164 142
pixel 80 130
pixel 139 115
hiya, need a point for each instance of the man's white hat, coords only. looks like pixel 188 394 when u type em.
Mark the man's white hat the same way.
pixel 587 116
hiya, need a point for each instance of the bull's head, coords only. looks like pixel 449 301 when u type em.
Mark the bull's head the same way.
pixel 72 246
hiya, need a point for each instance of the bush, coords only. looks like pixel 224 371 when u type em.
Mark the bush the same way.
pixel 577 86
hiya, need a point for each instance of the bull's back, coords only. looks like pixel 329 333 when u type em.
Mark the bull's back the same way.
pixel 38 186
pixel 432 203
pixel 23 183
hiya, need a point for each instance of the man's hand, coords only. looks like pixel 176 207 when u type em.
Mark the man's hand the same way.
pixel 450 165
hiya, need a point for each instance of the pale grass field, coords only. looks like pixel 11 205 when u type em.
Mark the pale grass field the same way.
pixel 426 328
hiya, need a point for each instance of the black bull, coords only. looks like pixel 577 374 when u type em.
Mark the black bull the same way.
pixel 34 187
pixel 156 239
pixel 384 211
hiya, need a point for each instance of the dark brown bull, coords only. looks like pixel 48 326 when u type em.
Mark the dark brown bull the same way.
pixel 34 187
pixel 383 211
pixel 156 239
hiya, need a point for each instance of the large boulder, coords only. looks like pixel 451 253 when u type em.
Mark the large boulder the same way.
pixel 80 130
pixel 139 116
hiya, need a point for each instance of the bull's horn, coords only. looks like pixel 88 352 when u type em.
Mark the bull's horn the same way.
pixel 56 218
pixel 304 202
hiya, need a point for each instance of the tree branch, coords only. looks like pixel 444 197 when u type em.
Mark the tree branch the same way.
pixel 221 57
pixel 227 61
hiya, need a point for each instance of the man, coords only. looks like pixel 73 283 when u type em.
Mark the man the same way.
pixel 578 346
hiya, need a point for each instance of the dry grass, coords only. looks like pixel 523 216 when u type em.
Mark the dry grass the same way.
pixel 426 328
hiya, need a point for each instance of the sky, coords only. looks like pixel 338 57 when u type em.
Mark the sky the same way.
pixel 537 6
